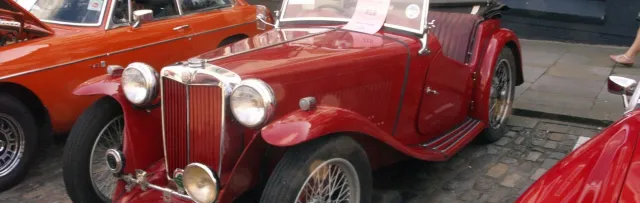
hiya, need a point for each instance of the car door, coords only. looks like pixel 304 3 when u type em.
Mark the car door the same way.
pixel 158 42
pixel 217 20
pixel 446 93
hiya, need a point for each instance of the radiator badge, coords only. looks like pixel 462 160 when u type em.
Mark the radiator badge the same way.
pixel 177 178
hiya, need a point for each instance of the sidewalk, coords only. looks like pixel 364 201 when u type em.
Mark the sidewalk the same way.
pixel 570 79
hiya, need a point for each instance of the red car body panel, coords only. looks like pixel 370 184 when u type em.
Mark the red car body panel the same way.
pixel 337 68
pixel 596 171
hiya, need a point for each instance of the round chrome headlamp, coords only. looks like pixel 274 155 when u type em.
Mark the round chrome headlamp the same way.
pixel 139 83
pixel 252 102
pixel 200 183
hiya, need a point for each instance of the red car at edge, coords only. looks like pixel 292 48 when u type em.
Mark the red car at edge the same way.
pixel 605 168
pixel 300 113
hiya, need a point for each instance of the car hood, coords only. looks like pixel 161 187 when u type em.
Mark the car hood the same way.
pixel 596 171
pixel 289 48
pixel 18 14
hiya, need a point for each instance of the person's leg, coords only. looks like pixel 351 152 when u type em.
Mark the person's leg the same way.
pixel 635 47
pixel 629 57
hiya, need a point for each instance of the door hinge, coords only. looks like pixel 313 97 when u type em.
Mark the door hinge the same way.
pixel 472 104
pixel 474 76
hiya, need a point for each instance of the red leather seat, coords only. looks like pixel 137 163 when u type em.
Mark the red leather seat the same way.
pixel 454 31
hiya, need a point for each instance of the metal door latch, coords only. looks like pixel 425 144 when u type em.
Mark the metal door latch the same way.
pixel 428 90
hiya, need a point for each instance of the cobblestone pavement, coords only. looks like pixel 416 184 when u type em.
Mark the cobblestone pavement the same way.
pixel 497 172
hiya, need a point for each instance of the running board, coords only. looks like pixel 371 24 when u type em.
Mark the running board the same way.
pixel 444 143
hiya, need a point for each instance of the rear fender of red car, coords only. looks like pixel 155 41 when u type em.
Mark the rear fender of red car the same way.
pixel 486 65
pixel 144 148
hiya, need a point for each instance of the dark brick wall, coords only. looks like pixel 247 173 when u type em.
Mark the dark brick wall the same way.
pixel 618 27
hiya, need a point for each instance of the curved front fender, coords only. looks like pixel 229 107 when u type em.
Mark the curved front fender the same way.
pixel 498 41
pixel 301 126
pixel 142 132
pixel 101 85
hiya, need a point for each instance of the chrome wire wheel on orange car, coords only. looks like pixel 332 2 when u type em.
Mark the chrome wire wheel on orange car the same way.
pixel 501 94
pixel 501 97
pixel 329 169
pixel 110 137
pixel 334 180
pixel 11 144
pixel 86 172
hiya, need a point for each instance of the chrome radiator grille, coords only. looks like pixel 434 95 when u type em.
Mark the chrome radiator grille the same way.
pixel 192 122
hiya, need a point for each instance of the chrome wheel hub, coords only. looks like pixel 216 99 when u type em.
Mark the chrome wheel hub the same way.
pixel 335 180
pixel 11 144
pixel 501 94
pixel 109 139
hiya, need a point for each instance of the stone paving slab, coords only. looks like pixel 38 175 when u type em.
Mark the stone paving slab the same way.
pixel 497 172
pixel 570 79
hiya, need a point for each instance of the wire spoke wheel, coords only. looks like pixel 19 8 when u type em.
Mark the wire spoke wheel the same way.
pixel 334 181
pixel 12 143
pixel 110 137
pixel 501 94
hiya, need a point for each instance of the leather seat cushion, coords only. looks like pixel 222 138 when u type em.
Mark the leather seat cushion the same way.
pixel 453 31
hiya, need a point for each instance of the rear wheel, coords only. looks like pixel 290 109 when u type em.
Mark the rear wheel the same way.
pixel 501 96
pixel 328 170
pixel 18 141
pixel 85 171
pixel 230 40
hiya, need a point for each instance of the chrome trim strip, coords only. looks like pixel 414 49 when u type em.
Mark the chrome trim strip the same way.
pixel 475 123
pixel 50 67
pixel 455 137
pixel 217 76
pixel 449 135
pixel 107 25
pixel 102 12
pixel 188 113
pixel 180 12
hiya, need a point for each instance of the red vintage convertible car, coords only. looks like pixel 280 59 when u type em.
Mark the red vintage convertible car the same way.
pixel 604 169
pixel 304 112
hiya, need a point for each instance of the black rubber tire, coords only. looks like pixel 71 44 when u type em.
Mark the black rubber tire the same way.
pixel 230 40
pixel 12 107
pixel 491 135
pixel 296 165
pixel 77 152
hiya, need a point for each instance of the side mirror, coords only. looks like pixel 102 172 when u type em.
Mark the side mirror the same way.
pixel 625 87
pixel 621 85
pixel 141 16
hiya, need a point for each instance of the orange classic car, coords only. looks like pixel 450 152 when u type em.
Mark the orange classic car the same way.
pixel 49 47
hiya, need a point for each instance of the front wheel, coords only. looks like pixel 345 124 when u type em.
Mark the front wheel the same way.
pixel 501 96
pixel 18 141
pixel 328 170
pixel 85 171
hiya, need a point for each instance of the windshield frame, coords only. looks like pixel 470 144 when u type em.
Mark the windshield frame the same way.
pixel 98 24
pixel 421 31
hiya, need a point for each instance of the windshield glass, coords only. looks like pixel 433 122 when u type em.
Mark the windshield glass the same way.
pixel 403 14
pixel 72 12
